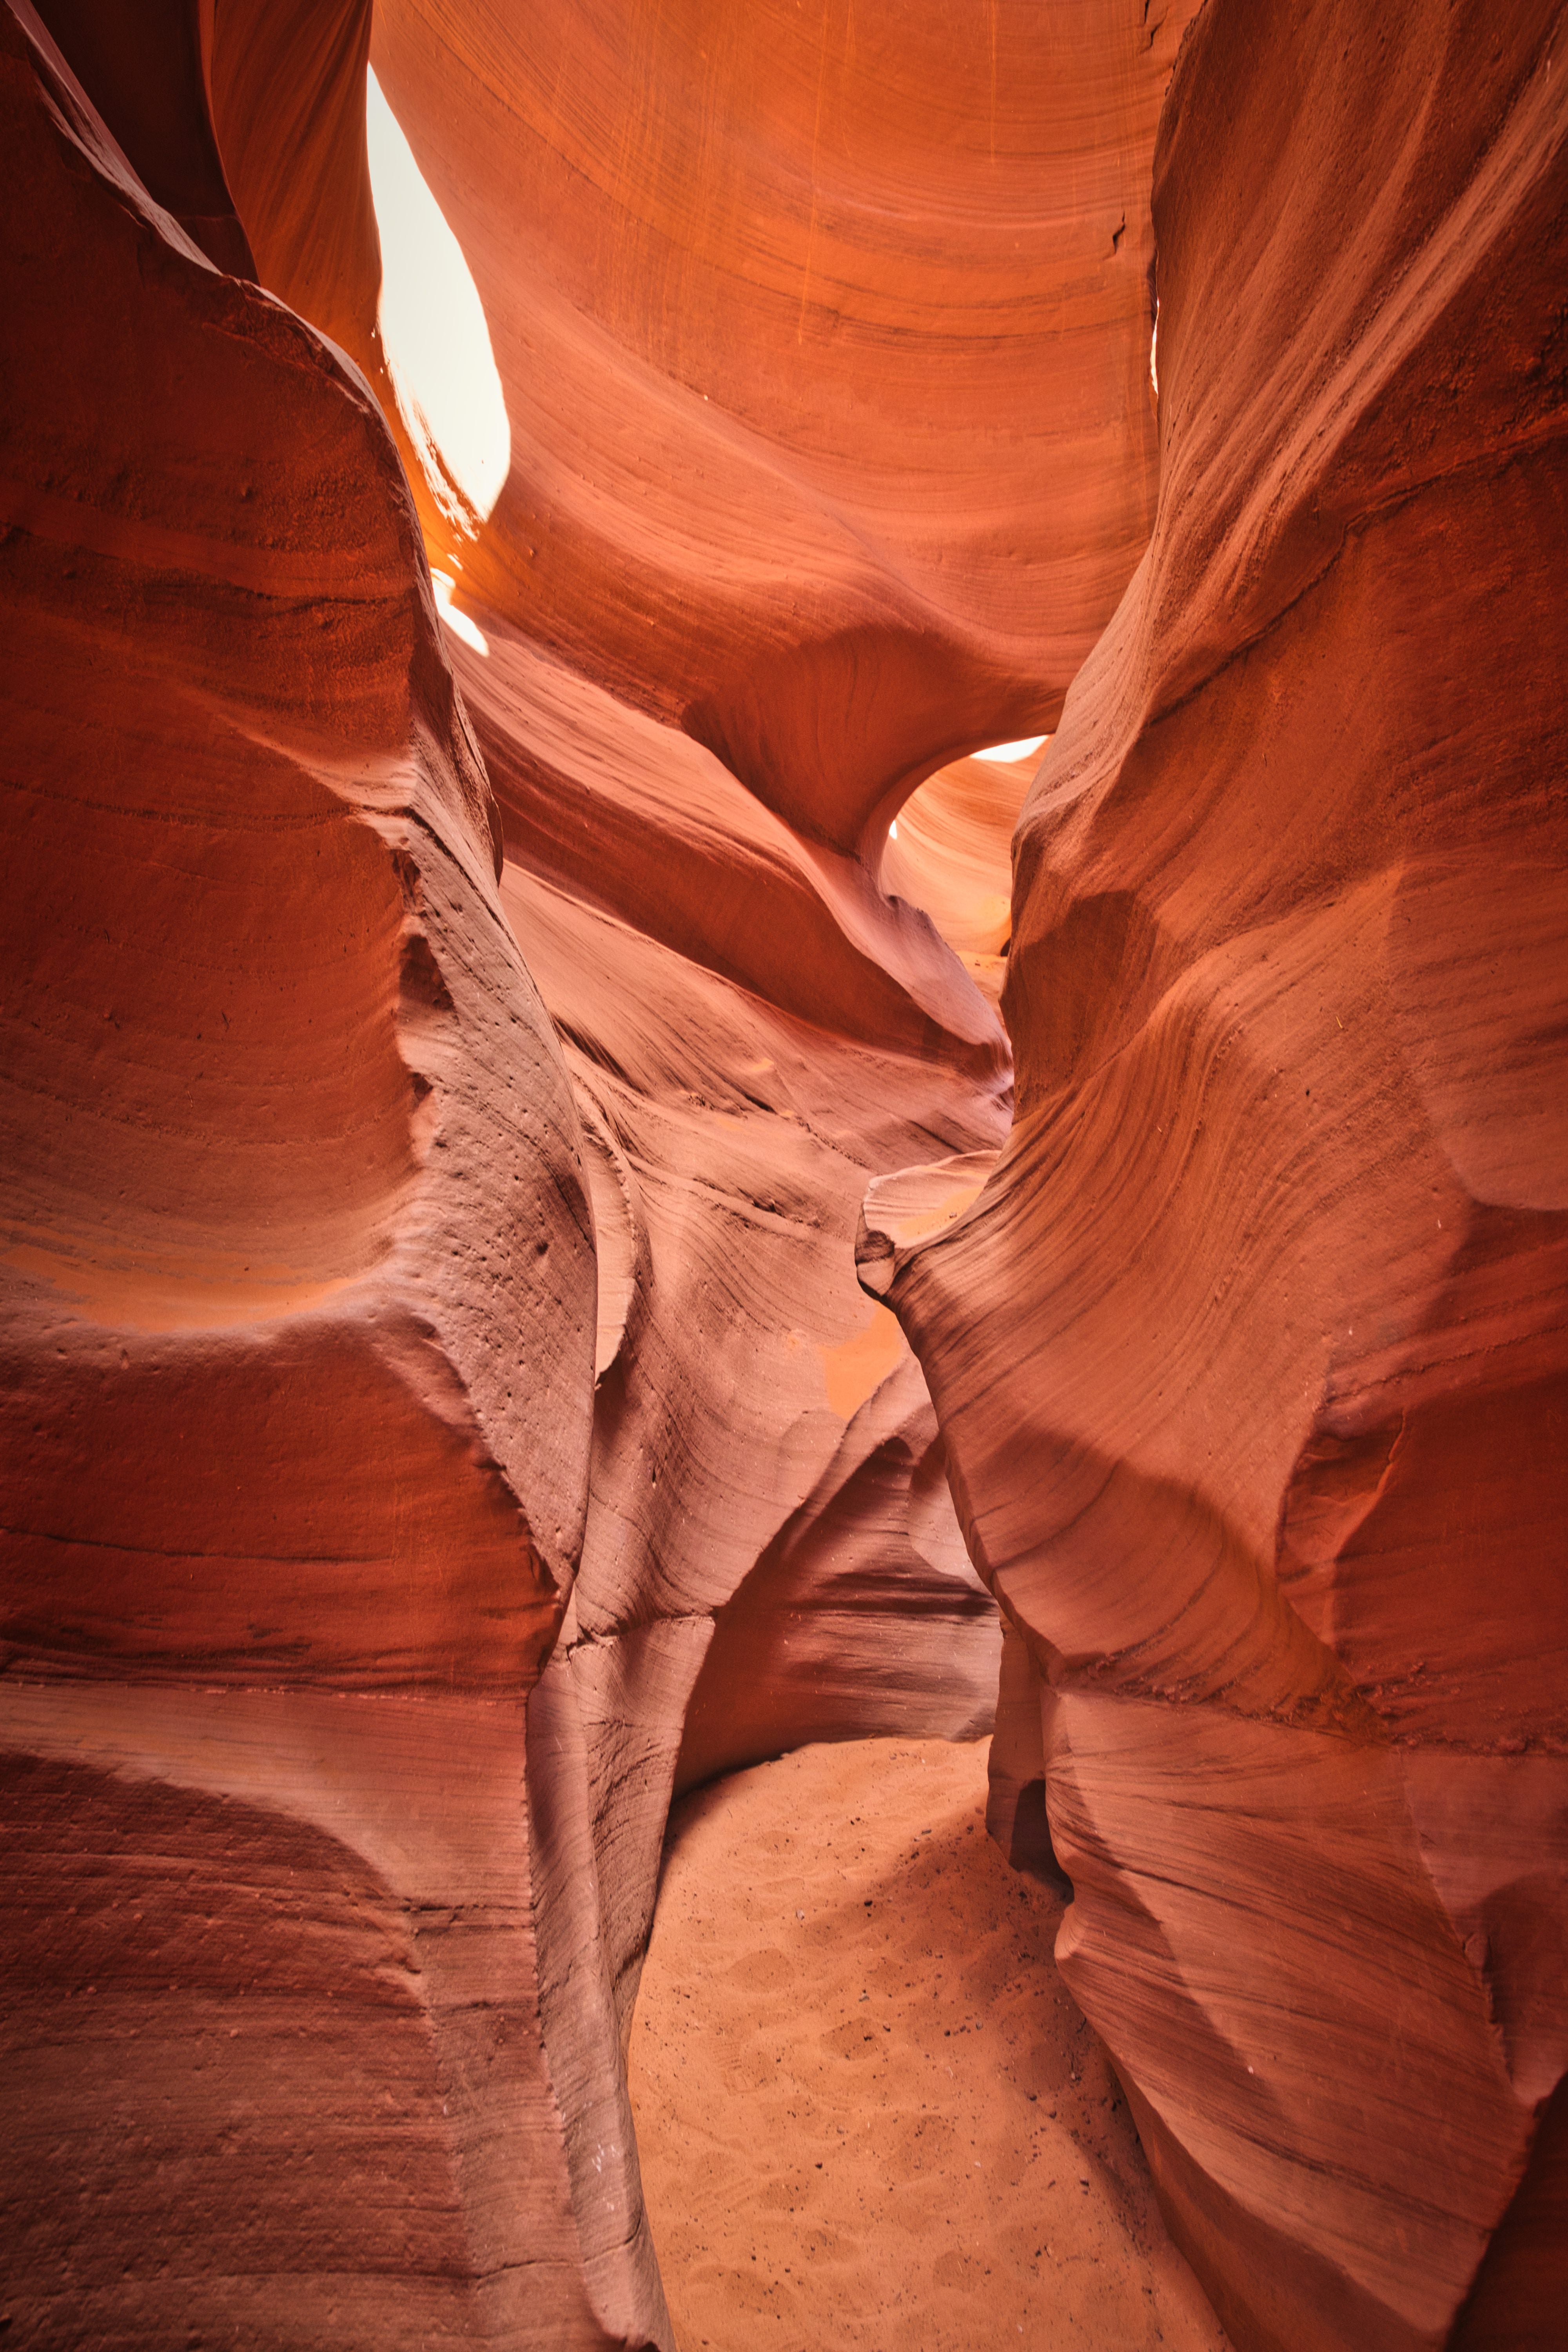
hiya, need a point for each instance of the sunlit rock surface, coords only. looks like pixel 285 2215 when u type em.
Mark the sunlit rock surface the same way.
pixel 949 850
pixel 1251 1356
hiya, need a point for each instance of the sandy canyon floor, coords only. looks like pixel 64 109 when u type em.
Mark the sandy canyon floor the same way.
pixel 869 2114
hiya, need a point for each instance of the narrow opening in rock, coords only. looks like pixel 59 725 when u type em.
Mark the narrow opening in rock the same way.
pixel 1005 755
pixel 949 852
pixel 435 334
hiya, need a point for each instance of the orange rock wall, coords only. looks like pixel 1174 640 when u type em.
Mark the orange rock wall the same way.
pixel 825 336
pixel 321 1232
pixel 1252 1356
pixel 298 1244
pixel 440 1418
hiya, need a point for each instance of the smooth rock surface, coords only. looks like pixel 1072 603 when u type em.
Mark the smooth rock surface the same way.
pixel 321 1232
pixel 1250 1357
pixel 825 338
pixel 296 1367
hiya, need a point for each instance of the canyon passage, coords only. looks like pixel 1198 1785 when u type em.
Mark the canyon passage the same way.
pixel 783 997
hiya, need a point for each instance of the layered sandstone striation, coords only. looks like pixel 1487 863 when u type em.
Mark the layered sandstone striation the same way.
pixel 949 851
pixel 298 1238
pixel 1251 1356
pixel 770 1553
pixel 824 337
pixel 371 1336
pixel 444 1064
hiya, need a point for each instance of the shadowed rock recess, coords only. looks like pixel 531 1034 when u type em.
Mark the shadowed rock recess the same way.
pixel 528 1283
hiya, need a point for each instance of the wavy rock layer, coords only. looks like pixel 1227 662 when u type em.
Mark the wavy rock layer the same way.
pixel 439 1417
pixel 1251 1356
pixel 825 338
pixel 317 1434
pixel 771 1552
pixel 949 851
pixel 296 1364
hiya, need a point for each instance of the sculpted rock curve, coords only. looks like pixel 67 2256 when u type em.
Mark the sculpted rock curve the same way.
pixel 1250 1356
pixel 298 1235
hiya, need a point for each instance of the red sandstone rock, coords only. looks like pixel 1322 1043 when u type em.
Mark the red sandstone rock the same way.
pixel 770 1553
pixel 770 1542
pixel 824 346
pixel 824 339
pixel 268 1155
pixel 1250 1357
pixel 312 1211
pixel 296 1344
pixel 148 71
pixel 287 88
pixel 751 1028
pixel 949 852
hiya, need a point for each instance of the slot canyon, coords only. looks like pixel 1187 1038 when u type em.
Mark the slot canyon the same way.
pixel 784 1350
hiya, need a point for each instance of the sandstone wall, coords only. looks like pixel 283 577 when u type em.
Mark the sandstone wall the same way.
pixel 1251 1355
pixel 371 1336
pixel 440 1418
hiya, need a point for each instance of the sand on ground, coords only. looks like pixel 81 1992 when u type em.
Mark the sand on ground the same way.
pixel 869 2114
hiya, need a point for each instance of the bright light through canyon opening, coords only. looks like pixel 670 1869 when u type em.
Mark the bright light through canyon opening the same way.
pixel 1019 750
pixel 436 338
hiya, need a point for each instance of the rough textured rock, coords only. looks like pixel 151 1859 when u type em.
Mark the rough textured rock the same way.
pixel 302 1196
pixel 770 1551
pixel 1251 1356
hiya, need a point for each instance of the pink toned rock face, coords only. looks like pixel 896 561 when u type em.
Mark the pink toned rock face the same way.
pixel 949 852
pixel 770 1553
pixel 1250 1357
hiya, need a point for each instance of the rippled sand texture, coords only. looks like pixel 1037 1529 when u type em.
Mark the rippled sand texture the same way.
pixel 870 2114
